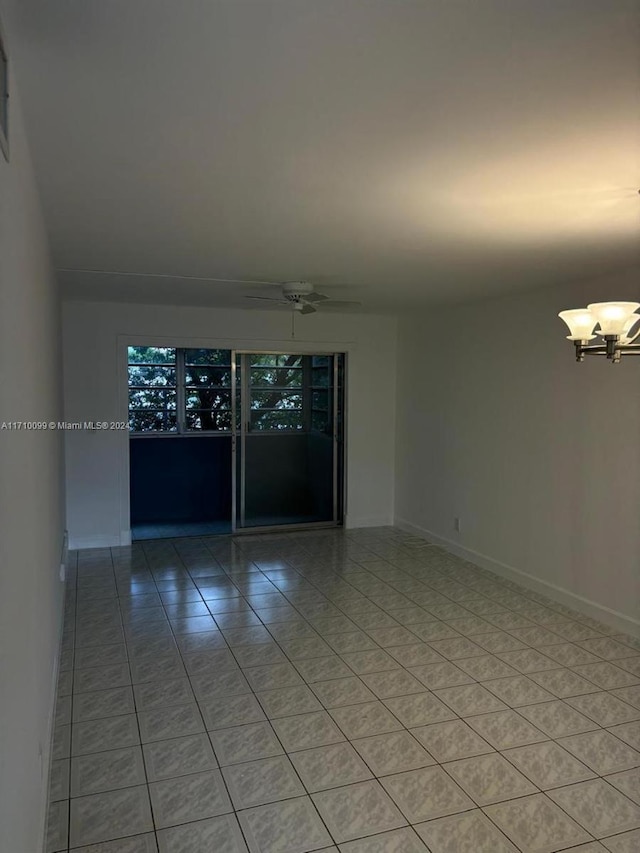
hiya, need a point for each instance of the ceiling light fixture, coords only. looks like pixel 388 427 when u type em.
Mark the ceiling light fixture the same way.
pixel 614 322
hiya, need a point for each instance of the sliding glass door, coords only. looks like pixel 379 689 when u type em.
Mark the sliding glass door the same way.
pixel 288 439
pixel 224 441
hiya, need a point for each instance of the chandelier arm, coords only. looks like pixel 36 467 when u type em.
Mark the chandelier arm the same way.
pixel 596 349
pixel 583 348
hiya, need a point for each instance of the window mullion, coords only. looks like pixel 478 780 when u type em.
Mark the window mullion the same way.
pixel 180 392
pixel 306 393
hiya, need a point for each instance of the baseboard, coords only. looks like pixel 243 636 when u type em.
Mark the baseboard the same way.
pixel 351 523
pixel 107 540
pixel 613 618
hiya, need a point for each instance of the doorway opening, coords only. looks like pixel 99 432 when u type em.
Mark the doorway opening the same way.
pixel 227 442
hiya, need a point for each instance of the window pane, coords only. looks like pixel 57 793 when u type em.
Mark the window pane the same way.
pixel 271 360
pixel 152 355
pixel 281 420
pixel 320 400
pixel 282 377
pixel 208 376
pixel 152 407
pixel 320 422
pixel 275 400
pixel 205 398
pixel 152 376
pixel 210 421
pixel 152 421
pixel 151 398
pixel 263 359
pixel 207 356
pixel 320 360
pixel 321 377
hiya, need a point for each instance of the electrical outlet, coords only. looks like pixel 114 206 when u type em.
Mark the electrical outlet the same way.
pixel 456 524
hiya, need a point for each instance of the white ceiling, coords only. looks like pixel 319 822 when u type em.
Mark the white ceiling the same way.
pixel 400 152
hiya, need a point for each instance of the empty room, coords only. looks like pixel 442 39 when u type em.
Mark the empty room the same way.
pixel 319 426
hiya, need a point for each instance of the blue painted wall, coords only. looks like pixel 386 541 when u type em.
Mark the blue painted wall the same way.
pixel 180 480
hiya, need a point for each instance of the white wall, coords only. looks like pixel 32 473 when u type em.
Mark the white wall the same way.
pixel 538 456
pixel 95 337
pixel 31 499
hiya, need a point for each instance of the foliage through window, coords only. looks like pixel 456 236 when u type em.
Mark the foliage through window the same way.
pixel 179 390
pixel 207 375
pixel 152 389
pixel 321 399
pixel 182 390
pixel 276 392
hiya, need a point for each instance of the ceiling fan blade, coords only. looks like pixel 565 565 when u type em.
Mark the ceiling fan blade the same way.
pixel 267 299
pixel 316 297
pixel 308 309
pixel 171 275
pixel 341 303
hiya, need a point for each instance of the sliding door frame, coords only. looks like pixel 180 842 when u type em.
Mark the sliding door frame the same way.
pixel 238 440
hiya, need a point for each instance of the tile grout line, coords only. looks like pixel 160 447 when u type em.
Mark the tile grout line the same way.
pixel 292 662
pixel 135 705
pixel 235 810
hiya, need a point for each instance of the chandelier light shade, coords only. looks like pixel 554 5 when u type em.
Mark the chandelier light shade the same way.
pixel 626 337
pixel 581 323
pixel 613 316
pixel 613 321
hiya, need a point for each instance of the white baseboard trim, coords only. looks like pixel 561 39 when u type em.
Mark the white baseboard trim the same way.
pixel 106 540
pixel 619 621
pixel 351 523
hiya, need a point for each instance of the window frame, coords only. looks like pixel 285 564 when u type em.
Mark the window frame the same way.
pixel 180 366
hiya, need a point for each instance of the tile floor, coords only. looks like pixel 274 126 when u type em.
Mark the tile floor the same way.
pixel 359 691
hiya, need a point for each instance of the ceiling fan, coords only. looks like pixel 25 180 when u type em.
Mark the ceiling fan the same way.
pixel 301 297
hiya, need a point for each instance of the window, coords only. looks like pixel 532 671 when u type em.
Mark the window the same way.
pixel 207 382
pixel 152 389
pixel 321 393
pixel 179 390
pixel 187 391
pixel 276 392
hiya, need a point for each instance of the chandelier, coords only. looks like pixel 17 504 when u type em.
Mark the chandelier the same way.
pixel 614 322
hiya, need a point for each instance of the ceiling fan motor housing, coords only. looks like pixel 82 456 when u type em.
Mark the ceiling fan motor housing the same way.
pixel 295 291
